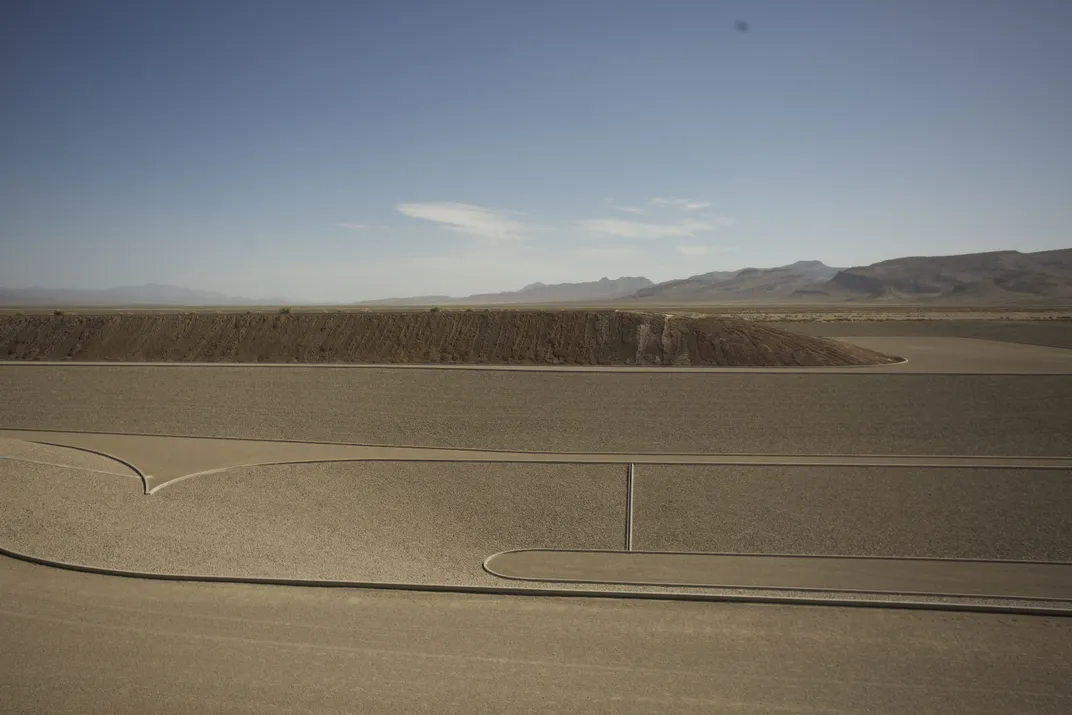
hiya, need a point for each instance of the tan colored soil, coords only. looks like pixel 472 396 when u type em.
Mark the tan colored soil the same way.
pixel 499 337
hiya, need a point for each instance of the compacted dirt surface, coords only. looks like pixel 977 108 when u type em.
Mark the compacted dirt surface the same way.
pixel 492 337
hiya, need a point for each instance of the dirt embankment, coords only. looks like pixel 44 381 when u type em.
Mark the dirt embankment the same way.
pixel 461 337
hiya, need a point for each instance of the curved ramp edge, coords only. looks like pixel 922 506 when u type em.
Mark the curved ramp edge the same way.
pixel 58 454
pixel 952 578
pixel 564 590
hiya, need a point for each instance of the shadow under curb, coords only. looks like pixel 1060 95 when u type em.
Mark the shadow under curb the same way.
pixel 546 592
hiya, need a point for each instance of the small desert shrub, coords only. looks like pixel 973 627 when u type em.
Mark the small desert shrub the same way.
pixel 284 311
pixel 434 309
pixel 57 311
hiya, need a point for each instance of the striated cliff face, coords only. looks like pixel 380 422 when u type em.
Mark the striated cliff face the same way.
pixel 493 337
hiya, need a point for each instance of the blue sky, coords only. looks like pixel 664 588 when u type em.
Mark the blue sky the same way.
pixel 337 151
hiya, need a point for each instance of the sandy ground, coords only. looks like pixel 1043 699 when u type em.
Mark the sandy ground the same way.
pixel 435 522
pixel 1055 333
pixel 561 412
pixel 156 644
pixel 379 521
pixel 855 511
pixel 98 645
pixel 451 337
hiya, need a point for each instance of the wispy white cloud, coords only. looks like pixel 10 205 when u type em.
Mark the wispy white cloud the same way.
pixel 359 226
pixel 468 218
pixel 687 204
pixel 611 203
pixel 624 228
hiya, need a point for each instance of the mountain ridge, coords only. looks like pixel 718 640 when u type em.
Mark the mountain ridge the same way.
pixel 603 289
pixel 148 294
pixel 742 284
pixel 994 277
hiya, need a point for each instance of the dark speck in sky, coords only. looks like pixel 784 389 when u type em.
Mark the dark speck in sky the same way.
pixel 742 26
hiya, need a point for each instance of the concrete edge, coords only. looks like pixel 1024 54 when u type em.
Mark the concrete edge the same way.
pixel 149 491
pixel 623 455
pixel 884 369
pixel 487 566
pixel 549 592
pixel 57 465
pixel 846 557
pixel 374 458
pixel 130 465
pixel 819 369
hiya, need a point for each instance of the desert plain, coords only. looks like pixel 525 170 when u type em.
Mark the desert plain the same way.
pixel 762 476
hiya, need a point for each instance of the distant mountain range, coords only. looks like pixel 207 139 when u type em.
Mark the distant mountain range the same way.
pixel 151 294
pixel 603 289
pixel 993 278
pixel 751 284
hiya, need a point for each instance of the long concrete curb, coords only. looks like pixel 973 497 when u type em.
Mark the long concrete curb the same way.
pixel 549 592
pixel 900 367
pixel 488 566
pixel 806 460
pixel 645 369
pixel 150 490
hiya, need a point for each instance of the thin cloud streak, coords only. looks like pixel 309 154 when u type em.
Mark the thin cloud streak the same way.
pixel 611 203
pixel 687 204
pixel 467 218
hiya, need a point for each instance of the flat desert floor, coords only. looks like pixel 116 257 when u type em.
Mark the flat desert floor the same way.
pixel 943 483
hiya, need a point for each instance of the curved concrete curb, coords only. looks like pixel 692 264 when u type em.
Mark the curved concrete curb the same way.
pixel 137 472
pixel 489 568
pixel 550 592
pixel 43 463
pixel 377 458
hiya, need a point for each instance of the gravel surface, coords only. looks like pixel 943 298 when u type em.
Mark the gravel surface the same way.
pixel 582 412
pixel 855 511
